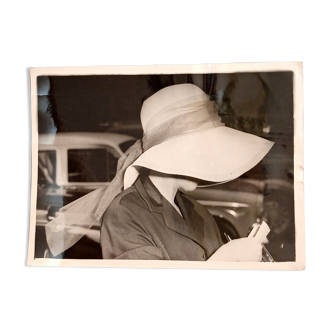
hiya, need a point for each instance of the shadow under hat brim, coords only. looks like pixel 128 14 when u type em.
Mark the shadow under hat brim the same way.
pixel 216 155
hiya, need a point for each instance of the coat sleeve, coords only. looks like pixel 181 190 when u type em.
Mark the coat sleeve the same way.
pixel 124 237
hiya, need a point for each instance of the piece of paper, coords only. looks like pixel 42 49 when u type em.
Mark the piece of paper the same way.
pixel 262 232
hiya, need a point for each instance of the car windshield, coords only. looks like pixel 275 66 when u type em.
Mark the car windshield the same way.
pixel 124 146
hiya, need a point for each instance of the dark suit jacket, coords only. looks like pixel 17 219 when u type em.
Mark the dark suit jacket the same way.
pixel 141 224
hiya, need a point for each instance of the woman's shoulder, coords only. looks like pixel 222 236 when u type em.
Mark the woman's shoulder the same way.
pixel 128 199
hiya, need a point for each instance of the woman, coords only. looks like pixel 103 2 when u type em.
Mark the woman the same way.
pixel 144 213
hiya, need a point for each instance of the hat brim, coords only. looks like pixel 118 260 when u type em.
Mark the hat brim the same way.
pixel 215 155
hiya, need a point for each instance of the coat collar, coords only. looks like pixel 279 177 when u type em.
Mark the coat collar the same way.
pixel 150 194
pixel 192 223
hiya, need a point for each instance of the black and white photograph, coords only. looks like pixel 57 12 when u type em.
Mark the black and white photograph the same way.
pixel 168 166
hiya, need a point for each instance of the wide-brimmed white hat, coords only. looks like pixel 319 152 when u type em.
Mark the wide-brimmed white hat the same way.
pixel 183 135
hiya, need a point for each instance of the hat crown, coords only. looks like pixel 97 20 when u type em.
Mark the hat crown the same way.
pixel 174 96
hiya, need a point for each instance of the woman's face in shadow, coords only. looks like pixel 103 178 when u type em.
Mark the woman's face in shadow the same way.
pixel 180 182
pixel 187 183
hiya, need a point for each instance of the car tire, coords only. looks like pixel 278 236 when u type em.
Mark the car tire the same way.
pixel 226 228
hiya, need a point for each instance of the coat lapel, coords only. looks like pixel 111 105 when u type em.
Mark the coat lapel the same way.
pixel 192 224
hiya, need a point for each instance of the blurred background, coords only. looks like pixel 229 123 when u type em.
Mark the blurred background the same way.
pixel 109 106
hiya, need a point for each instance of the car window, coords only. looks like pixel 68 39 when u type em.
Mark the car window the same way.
pixel 46 168
pixel 91 165
pixel 124 146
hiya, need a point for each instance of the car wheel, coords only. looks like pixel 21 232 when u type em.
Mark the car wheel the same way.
pixel 279 208
pixel 226 228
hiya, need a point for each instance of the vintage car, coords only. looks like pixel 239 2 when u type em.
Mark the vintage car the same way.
pixel 71 165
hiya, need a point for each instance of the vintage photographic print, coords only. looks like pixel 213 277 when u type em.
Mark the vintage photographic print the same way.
pixel 185 166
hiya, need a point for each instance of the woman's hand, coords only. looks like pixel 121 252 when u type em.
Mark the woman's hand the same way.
pixel 239 250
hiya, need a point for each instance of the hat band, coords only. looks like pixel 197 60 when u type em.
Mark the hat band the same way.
pixel 195 117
